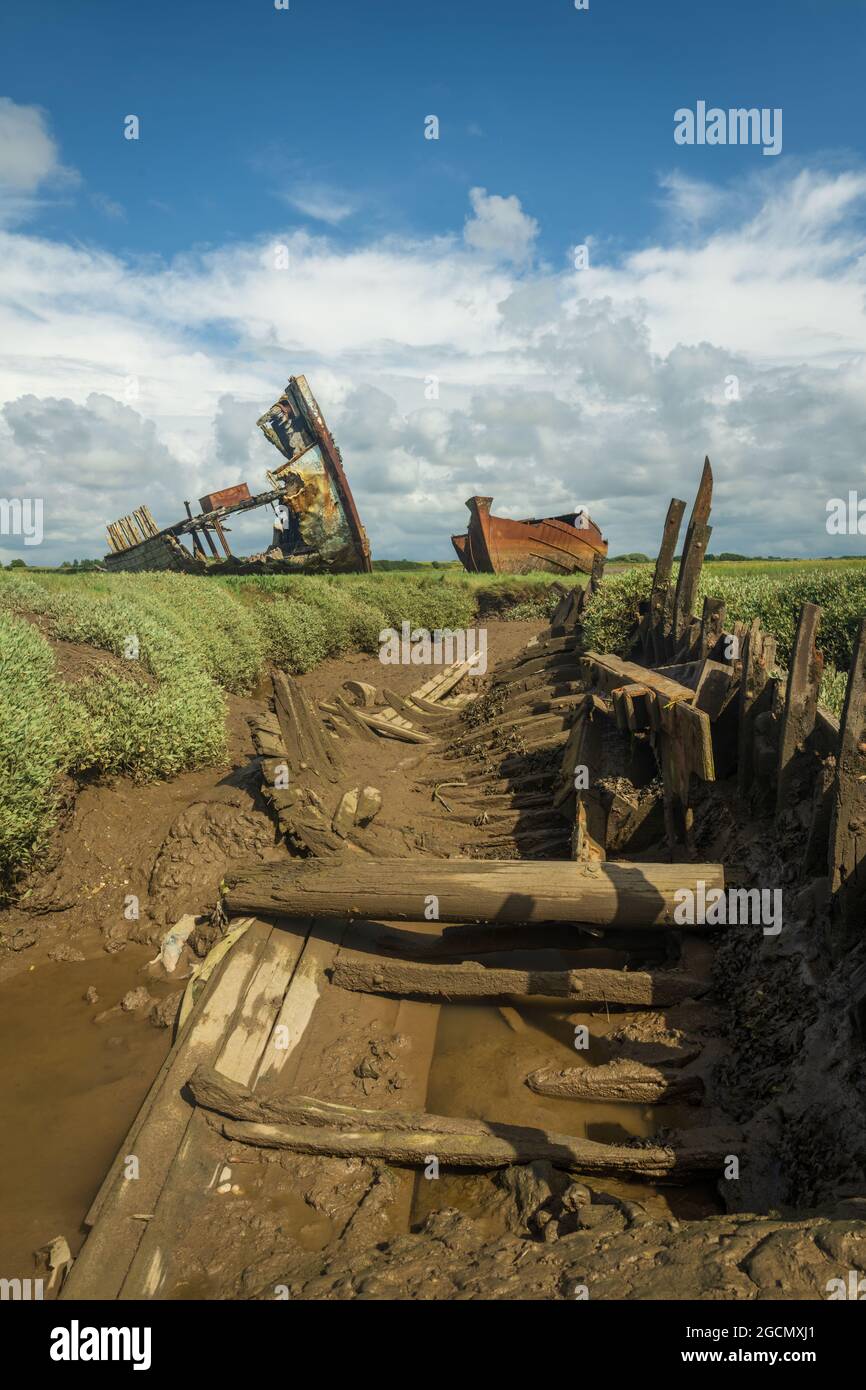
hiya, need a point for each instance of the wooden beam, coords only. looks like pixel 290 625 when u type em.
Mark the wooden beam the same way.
pixel 801 700
pixel 847 853
pixel 312 1126
pixel 617 894
pixel 694 549
pixel 654 631
pixel 469 980
pixel 759 654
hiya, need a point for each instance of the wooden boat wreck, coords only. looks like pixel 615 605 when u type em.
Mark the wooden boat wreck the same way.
pixel 498 545
pixel 316 526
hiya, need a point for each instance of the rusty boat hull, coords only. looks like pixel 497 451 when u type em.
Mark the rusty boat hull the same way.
pixel 317 527
pixel 498 545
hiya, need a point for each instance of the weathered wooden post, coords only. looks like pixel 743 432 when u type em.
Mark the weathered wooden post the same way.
pixel 653 633
pixel 759 653
pixel 801 700
pixel 694 549
pixel 848 819
pixel 712 626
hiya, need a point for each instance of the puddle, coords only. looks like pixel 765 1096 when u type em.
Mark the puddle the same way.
pixel 479 1070
pixel 73 1088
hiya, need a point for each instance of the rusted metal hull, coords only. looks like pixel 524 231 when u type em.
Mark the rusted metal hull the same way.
pixel 317 528
pixel 318 491
pixel 497 545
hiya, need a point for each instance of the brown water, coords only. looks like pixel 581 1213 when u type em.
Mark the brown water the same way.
pixel 69 1090
pixel 479 1070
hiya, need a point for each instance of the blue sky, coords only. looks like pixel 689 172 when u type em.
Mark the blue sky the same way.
pixel 137 297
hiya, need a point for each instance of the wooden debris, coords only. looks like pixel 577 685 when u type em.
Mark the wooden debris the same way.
pixel 362 692
pixel 627 1081
pixel 310 1126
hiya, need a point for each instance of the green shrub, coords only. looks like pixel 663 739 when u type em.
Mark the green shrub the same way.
pixel 32 741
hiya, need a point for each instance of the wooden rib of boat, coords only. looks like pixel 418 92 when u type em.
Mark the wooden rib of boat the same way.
pixel 498 545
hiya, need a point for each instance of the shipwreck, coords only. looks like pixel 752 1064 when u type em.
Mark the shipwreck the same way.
pixel 316 526
pixel 498 545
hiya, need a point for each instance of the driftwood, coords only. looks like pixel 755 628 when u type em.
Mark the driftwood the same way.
pixel 616 894
pixel 627 1081
pixel 470 980
pixel 305 1125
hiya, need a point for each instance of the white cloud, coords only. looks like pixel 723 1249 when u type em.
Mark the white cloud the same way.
pixel 321 203
pixel 604 386
pixel 499 227
pixel 29 157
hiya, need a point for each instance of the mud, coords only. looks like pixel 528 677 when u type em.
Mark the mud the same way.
pixel 777 1047
pixel 76 1085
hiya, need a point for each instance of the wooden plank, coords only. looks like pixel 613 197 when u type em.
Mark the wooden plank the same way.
pixel 110 1248
pixel 654 632
pixel 759 654
pixel 694 549
pixel 309 1125
pixel 444 681
pixel 497 1146
pixel 716 687
pixel 801 700
pixel 308 983
pixel 712 625
pixel 847 849
pixel 237 1060
pixel 469 980
pixel 616 894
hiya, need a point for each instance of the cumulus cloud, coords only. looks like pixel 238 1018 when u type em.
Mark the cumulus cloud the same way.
pixel 499 227
pixel 29 158
pixel 455 364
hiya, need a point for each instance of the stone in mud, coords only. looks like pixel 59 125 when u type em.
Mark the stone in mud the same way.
pixel 344 816
pixel 64 953
pixel 135 999
pixel 164 1012
pixel 90 995
pixel 369 805
pixel 20 940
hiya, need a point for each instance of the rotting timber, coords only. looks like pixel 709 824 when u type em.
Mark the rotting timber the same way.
pixel 571 795
pixel 316 523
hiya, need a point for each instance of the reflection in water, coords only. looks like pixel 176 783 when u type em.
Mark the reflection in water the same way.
pixel 479 1070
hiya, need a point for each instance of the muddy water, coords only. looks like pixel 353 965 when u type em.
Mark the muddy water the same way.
pixel 479 1070
pixel 69 1090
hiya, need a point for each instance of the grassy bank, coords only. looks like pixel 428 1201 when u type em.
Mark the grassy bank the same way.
pixel 176 646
